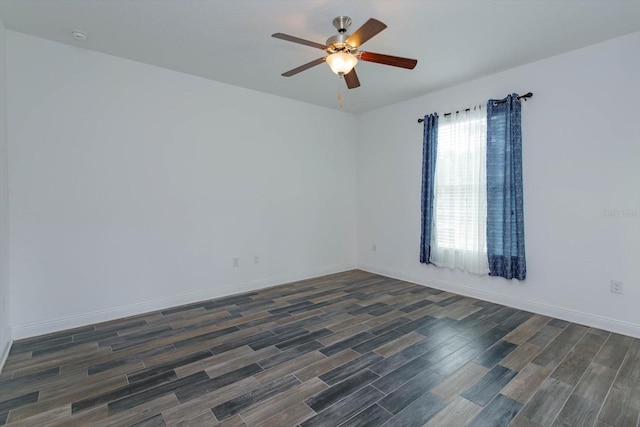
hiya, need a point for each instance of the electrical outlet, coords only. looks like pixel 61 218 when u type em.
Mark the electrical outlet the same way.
pixel 236 261
pixel 256 259
pixel 616 287
pixel 373 247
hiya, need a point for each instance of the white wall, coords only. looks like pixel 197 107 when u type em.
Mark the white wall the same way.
pixel 581 151
pixel 5 316
pixel 132 187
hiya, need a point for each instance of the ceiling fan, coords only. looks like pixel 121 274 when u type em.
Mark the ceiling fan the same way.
pixel 343 53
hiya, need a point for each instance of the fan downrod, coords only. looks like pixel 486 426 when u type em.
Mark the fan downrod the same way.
pixel 338 42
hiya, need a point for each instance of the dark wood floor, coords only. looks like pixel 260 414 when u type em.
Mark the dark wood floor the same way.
pixel 350 349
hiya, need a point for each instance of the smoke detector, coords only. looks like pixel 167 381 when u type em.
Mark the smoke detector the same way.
pixel 79 35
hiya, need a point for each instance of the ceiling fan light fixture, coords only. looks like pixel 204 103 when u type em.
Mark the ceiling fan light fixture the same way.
pixel 341 63
pixel 343 51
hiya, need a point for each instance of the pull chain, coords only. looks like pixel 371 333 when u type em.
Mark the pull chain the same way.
pixel 340 93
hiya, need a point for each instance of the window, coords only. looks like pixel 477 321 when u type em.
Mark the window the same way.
pixel 472 215
pixel 458 238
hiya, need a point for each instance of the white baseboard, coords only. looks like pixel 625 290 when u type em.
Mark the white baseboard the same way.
pixel 5 353
pixel 55 325
pixel 600 322
pixel 40 328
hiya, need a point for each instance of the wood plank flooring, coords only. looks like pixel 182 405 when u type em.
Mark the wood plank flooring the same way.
pixel 349 349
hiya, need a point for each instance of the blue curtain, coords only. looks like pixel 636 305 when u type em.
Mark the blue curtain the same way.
pixel 505 221
pixel 429 150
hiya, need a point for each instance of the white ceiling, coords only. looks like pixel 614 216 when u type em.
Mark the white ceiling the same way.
pixel 230 40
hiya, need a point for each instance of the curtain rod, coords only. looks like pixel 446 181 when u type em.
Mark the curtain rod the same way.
pixel 525 96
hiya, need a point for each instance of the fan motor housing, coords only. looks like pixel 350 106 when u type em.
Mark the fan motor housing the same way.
pixel 338 43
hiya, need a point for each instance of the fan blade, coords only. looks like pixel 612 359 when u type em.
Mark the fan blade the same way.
pixel 304 67
pixel 298 40
pixel 351 78
pixel 364 33
pixel 394 61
